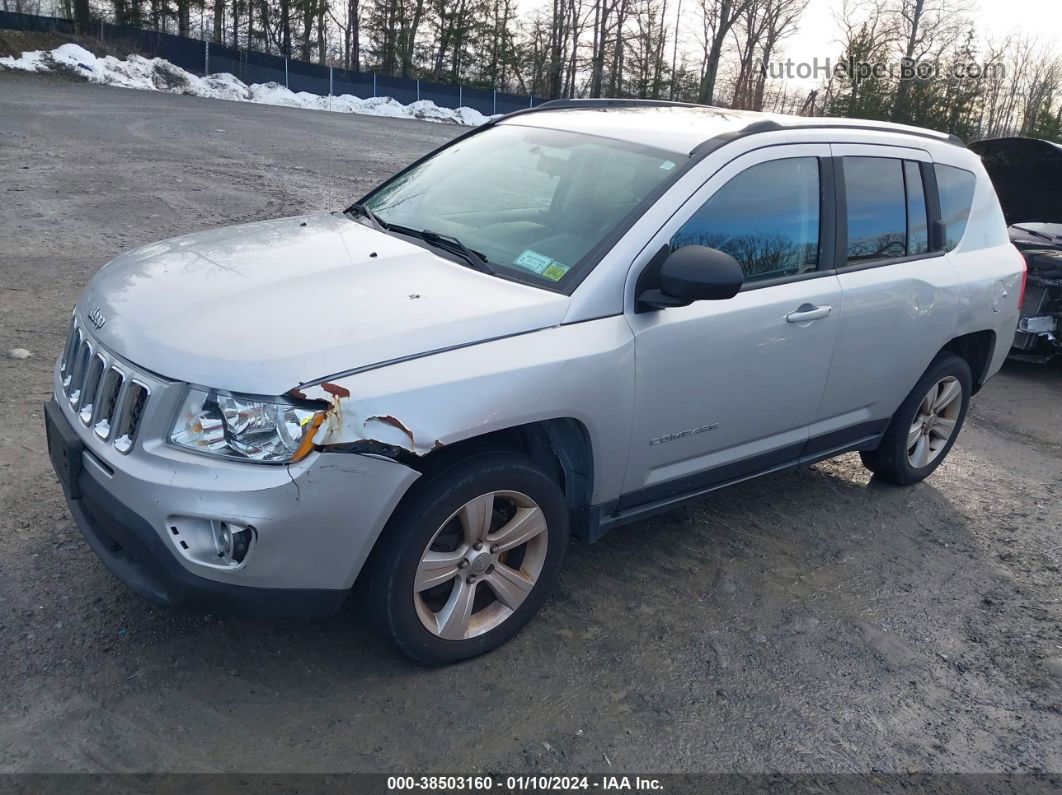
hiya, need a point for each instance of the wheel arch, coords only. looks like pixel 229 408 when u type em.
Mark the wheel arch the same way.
pixel 562 446
pixel 976 349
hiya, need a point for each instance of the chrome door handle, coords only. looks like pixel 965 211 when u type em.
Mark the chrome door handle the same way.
pixel 808 312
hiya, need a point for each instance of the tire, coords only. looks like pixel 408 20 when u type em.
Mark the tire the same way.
pixel 435 595
pixel 914 444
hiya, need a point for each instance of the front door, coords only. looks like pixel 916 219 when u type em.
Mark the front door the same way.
pixel 728 388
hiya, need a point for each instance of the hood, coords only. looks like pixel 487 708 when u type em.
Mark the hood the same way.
pixel 264 307
pixel 1027 175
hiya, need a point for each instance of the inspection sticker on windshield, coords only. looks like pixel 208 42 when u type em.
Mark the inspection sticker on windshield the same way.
pixel 542 265
pixel 533 261
pixel 555 272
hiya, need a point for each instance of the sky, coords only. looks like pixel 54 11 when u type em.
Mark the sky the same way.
pixel 819 33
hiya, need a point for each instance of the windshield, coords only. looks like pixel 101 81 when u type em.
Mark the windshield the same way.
pixel 533 202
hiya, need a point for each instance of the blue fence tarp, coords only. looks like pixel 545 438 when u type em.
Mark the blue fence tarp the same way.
pixel 201 58
pixel 15 21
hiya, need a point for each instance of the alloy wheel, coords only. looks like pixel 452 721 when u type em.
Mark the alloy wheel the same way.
pixel 934 422
pixel 480 565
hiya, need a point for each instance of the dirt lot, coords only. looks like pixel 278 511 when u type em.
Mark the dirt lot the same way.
pixel 811 621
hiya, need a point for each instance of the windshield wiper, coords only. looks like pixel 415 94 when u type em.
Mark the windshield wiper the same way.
pixel 455 246
pixel 365 212
pixel 1033 232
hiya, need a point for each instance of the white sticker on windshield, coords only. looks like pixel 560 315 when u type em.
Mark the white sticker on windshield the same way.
pixel 533 261
pixel 667 165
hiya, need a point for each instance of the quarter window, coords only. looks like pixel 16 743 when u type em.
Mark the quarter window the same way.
pixel 877 209
pixel 767 218
pixel 956 189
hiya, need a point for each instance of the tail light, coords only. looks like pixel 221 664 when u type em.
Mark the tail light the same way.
pixel 1024 280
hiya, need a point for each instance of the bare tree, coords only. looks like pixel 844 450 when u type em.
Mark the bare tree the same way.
pixel 718 17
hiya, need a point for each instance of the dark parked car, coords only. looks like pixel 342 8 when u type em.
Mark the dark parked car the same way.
pixel 1027 174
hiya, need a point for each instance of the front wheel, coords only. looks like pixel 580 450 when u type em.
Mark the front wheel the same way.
pixel 469 559
pixel 926 425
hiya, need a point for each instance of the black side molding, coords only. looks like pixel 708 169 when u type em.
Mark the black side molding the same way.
pixel 648 502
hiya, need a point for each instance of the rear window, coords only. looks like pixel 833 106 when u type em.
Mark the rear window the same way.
pixel 877 209
pixel 956 189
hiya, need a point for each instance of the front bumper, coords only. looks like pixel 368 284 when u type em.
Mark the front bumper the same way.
pixel 315 521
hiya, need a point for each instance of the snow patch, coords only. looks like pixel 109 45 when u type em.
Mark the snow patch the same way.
pixel 158 74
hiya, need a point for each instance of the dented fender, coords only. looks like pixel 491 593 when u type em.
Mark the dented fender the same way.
pixel 346 424
pixel 582 371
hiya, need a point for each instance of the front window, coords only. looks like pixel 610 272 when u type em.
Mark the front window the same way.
pixel 533 202
pixel 767 218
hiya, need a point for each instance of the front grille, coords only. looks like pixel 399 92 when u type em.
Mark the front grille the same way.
pixel 104 393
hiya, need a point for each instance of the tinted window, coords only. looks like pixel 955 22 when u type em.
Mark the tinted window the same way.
pixel 877 208
pixel 766 217
pixel 956 189
pixel 917 225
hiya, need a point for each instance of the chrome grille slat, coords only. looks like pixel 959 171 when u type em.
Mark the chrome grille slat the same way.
pixel 77 378
pixel 90 388
pixel 101 392
pixel 69 357
pixel 129 414
pixel 110 391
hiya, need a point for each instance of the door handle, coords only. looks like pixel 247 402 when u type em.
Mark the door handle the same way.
pixel 806 312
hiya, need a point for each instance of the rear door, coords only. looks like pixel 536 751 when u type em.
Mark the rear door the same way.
pixel 899 302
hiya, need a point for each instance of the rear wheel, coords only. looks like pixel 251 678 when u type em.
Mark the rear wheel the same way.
pixel 469 559
pixel 926 425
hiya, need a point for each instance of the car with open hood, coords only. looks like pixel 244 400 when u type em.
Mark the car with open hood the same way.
pixel 570 318
pixel 1027 174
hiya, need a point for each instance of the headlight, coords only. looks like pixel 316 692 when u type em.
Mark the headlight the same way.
pixel 238 426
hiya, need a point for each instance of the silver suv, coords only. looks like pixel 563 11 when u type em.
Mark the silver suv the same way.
pixel 569 318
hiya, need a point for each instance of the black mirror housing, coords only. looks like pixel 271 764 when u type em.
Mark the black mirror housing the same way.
pixel 695 273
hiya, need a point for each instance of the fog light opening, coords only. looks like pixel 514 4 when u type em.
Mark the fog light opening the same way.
pixel 232 541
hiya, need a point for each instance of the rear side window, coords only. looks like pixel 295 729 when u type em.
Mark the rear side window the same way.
pixel 767 218
pixel 956 189
pixel 917 223
pixel 877 209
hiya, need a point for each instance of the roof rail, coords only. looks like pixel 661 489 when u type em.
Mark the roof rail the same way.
pixel 603 103
pixel 614 102
pixel 765 125
pixel 770 125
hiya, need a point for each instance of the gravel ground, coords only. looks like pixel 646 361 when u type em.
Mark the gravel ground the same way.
pixel 810 621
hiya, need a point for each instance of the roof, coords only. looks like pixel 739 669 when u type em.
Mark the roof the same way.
pixel 679 127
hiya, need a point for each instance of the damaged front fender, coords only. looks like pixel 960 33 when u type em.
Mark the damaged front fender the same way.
pixel 350 425
pixel 405 410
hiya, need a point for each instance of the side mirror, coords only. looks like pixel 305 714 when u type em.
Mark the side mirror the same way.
pixel 694 273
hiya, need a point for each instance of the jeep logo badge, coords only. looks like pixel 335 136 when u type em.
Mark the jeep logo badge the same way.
pixel 96 318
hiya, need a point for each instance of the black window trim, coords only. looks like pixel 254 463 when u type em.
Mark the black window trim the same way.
pixel 929 185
